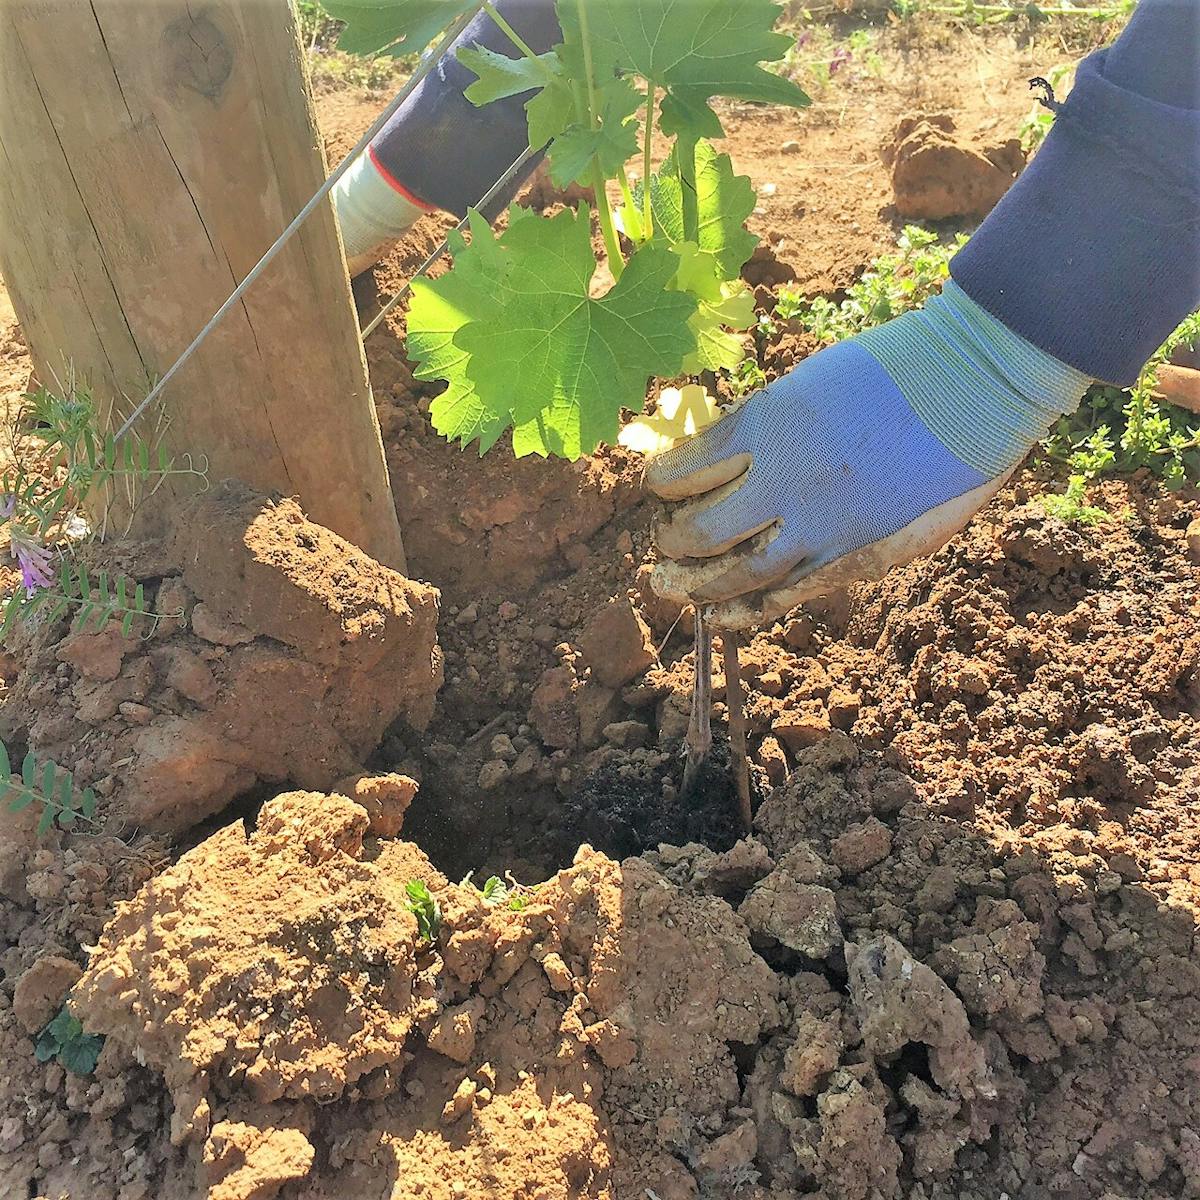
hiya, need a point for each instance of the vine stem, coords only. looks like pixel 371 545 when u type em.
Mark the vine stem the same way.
pixel 699 733
pixel 734 699
pixel 611 244
pixel 685 148
pixel 514 37
pixel 647 213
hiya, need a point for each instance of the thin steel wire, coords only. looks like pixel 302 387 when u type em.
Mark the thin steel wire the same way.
pixel 423 69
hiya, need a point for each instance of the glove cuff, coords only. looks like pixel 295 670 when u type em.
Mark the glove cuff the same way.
pixel 371 209
pixel 983 391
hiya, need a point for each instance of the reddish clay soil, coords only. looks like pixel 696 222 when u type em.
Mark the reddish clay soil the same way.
pixel 955 958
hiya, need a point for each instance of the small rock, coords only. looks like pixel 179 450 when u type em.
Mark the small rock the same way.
pixel 174 605
pixel 40 991
pixel 385 797
pixel 627 735
pixel 461 1103
pixel 616 643
pixel 503 748
pixel 798 632
pixel 1192 538
pixel 804 726
pixel 508 611
pixel 527 762
pixel 801 916
pixel 790 147
pixel 771 758
pixel 862 846
pixel 468 616
pixel 190 676
pixel 624 542
pixel 596 707
pixel 937 174
pixel 737 869
pixel 208 625
pixel 96 655
pixel 843 708
pixel 552 708
pixel 134 713
pixel 453 1033
pixel 557 972
pixel 492 774
pixel 12 1134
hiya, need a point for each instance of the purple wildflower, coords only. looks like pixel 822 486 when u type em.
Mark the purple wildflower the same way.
pixel 841 56
pixel 8 505
pixel 34 559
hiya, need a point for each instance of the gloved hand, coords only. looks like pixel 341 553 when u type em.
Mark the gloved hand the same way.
pixel 866 455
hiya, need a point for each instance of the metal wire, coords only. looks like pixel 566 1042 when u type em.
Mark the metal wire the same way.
pixel 488 197
pixel 423 69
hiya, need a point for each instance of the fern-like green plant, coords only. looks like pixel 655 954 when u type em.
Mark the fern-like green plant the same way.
pixel 44 782
pixel 63 467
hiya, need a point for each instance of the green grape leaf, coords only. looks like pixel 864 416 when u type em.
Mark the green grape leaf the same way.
pixel 439 311
pixel 612 143
pixel 717 346
pixel 520 339
pixel 696 50
pixel 501 76
pixel 724 202
pixel 393 26
pixel 552 111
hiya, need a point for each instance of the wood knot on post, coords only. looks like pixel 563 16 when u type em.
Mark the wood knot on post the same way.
pixel 197 55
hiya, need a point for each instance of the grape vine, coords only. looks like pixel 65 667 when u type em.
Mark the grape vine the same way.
pixel 519 328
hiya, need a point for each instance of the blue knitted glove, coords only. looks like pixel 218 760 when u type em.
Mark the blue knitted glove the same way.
pixel 866 455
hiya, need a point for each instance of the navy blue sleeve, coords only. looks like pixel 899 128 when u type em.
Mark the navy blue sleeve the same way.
pixel 1094 253
pixel 442 151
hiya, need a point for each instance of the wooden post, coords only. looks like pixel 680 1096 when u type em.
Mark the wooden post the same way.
pixel 150 151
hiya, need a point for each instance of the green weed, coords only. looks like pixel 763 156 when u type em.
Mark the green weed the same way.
pixel 44 782
pixel 64 1039
pixel 424 906
pixel 891 285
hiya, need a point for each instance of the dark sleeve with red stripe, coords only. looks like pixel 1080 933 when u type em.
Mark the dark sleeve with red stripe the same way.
pixel 442 152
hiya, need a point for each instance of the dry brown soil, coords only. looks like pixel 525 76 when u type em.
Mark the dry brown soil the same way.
pixel 956 958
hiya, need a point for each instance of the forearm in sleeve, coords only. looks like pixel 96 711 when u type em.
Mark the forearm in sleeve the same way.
pixel 1094 254
pixel 439 149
